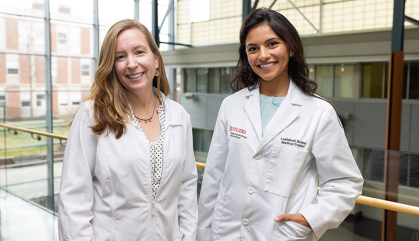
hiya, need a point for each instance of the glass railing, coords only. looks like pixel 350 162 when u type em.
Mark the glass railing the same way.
pixel 24 172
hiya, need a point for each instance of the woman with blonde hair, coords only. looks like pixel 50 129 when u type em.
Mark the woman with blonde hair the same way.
pixel 129 170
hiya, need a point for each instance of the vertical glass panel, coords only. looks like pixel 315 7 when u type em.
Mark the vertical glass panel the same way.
pixel 111 11
pixel 225 75
pixel 190 79
pixel 405 90
pixel 23 7
pixel 201 80
pixel 344 79
pixel 146 13
pixel 213 81
pixel 414 81
pixel 74 11
pixel 372 80
pixel 324 78
pixel 70 39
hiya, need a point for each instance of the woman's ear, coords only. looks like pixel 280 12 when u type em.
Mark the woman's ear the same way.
pixel 156 59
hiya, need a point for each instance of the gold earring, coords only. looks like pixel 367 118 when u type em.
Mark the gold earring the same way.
pixel 156 73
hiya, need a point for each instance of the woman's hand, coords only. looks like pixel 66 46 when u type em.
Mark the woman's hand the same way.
pixel 296 218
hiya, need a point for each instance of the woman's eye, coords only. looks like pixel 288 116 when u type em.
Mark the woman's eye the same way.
pixel 119 57
pixel 251 49
pixel 273 44
pixel 140 52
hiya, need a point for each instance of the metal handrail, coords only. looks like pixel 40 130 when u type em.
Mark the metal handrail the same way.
pixel 43 133
pixel 369 201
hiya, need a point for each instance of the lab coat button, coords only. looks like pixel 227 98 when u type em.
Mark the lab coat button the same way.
pixel 250 190
pixel 257 156
pixel 245 222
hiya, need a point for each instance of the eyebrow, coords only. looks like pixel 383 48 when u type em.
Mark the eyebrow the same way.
pixel 265 41
pixel 136 47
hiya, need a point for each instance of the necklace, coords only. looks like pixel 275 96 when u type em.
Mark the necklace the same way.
pixel 149 119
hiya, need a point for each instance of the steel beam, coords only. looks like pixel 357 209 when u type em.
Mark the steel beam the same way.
pixel 155 21
pixel 411 20
pixel 255 5
pixel 393 122
pixel 273 3
pixel 95 35
pixel 302 14
pixel 48 114
pixel 137 10
pixel 247 8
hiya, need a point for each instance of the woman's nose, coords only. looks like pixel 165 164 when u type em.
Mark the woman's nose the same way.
pixel 264 54
pixel 132 63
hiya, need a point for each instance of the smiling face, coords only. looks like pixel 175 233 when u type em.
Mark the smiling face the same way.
pixel 267 54
pixel 134 63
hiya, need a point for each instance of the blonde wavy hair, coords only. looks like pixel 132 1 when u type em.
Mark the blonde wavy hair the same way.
pixel 111 108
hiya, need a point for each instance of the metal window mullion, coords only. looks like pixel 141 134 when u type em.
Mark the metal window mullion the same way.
pixel 196 80
pixel 321 17
pixel 408 81
pixel 218 79
pixel 95 35
pixel 48 116
pixel 334 79
pixel 137 9
pixel 383 89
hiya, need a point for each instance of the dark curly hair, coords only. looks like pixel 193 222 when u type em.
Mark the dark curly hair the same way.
pixel 297 65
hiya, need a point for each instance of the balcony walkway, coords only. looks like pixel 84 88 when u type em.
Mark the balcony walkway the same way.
pixel 21 220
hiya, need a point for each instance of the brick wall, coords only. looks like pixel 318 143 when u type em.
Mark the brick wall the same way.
pixel 40 69
pixel 13 102
pixel 85 40
pixel 25 69
pixel 75 71
pixel 12 34
pixel 62 70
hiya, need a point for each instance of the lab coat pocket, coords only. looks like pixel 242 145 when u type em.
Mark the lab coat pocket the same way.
pixel 218 213
pixel 284 167
pixel 289 231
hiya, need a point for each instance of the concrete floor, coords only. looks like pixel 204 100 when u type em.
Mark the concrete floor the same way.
pixel 23 221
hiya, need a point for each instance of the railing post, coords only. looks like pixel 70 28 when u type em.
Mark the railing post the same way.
pixel 48 116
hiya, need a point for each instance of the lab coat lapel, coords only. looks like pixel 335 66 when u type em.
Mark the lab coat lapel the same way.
pixel 252 109
pixel 287 112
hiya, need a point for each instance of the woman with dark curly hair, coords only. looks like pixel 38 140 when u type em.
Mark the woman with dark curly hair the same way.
pixel 275 141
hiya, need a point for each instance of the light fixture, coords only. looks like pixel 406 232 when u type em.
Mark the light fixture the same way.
pixel 311 68
pixel 227 70
pixel 342 67
pixel 206 71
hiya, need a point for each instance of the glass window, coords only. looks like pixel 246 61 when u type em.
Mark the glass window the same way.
pixel 324 78
pixel 225 76
pixel 190 79
pixel 80 11
pixel 111 11
pixel 344 79
pixel 40 100
pixel 374 78
pixel 12 66
pixel 414 81
pixel 213 81
pixel 202 139
pixel 201 80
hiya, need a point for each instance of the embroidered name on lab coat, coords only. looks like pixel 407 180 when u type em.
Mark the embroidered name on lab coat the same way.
pixel 293 142
pixel 237 132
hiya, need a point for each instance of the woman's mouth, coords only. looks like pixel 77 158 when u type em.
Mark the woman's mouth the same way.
pixel 264 66
pixel 134 76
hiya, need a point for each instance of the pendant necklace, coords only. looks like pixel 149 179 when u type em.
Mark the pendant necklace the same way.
pixel 149 119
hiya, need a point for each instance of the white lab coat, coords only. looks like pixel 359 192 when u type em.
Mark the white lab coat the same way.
pixel 250 179
pixel 106 189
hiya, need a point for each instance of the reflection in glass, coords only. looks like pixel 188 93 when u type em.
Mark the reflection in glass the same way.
pixel 190 78
pixel 373 78
pixel 201 80
pixel 324 78
pixel 213 81
pixel 344 79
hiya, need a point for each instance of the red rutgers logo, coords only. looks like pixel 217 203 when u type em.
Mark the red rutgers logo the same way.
pixel 238 130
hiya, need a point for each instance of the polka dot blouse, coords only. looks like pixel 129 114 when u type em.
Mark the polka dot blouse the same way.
pixel 156 151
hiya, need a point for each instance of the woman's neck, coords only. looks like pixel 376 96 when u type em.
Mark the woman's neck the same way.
pixel 142 100
pixel 274 88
